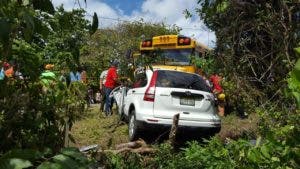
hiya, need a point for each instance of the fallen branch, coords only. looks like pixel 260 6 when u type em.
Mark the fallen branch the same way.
pixel 141 150
pixel 134 144
pixel 138 146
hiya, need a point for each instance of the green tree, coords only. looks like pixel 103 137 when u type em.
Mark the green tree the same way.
pixel 255 39
pixel 117 43
pixel 32 34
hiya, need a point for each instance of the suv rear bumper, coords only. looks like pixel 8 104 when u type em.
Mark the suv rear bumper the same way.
pixel 186 130
pixel 150 123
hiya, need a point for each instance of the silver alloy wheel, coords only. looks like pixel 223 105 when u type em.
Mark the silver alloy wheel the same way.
pixel 131 126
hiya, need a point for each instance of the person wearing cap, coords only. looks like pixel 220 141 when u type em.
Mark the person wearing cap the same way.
pixel 110 83
pixel 8 70
pixel 48 77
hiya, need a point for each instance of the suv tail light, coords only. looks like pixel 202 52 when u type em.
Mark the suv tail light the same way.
pixel 150 91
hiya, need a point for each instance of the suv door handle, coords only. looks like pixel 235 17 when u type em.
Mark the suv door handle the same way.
pixel 133 91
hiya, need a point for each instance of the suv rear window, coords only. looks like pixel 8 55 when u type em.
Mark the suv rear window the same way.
pixel 174 79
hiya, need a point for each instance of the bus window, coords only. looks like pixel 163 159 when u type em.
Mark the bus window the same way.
pixel 170 56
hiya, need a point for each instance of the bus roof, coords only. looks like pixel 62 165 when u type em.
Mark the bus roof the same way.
pixel 171 42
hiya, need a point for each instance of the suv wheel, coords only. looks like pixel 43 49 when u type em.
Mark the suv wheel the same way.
pixel 132 127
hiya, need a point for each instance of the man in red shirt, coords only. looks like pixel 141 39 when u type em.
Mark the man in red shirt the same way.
pixel 218 91
pixel 110 84
pixel 215 79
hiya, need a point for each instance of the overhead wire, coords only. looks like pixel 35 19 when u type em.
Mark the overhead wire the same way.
pixel 123 20
pixel 129 21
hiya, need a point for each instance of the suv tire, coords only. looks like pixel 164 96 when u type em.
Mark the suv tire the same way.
pixel 133 130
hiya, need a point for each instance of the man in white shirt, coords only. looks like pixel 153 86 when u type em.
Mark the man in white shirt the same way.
pixel 102 90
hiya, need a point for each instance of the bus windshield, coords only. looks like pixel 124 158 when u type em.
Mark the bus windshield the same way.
pixel 170 56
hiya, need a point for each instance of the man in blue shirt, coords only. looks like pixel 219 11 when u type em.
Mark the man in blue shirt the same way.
pixel 75 76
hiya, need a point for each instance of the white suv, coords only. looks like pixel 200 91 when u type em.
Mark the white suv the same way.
pixel 158 95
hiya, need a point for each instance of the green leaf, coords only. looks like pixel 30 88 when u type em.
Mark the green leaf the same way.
pixel 264 150
pixel 275 159
pixel 47 152
pixel 26 2
pixel 297 97
pixel 297 50
pixel 50 165
pixel 296 70
pixel 74 153
pixel 5 30
pixel 41 27
pixel 66 161
pixel 14 163
pixel 222 7
pixel 254 156
pixel 29 28
pixel 26 154
pixel 258 142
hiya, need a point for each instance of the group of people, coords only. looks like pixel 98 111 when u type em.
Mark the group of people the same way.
pixel 9 70
pixel 78 75
pixel 48 78
pixel 108 81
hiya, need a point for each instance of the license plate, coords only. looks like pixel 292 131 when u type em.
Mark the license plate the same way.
pixel 187 101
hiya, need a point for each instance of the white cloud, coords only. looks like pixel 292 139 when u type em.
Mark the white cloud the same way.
pixel 102 9
pixel 167 11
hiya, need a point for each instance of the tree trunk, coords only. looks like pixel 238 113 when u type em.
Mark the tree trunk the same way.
pixel 173 132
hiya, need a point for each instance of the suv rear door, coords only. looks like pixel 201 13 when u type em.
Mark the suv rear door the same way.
pixel 137 91
pixel 184 93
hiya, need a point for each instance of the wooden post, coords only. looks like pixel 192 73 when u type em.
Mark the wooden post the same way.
pixel 172 135
pixel 66 140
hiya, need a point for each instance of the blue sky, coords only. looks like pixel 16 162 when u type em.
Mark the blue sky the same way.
pixel 127 6
pixel 111 12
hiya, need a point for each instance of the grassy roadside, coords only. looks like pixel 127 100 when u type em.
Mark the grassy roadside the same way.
pixel 233 127
pixel 95 128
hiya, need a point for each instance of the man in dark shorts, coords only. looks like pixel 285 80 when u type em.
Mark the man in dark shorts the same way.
pixel 102 89
pixel 110 84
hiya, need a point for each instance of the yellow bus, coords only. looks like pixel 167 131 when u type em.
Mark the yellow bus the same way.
pixel 173 52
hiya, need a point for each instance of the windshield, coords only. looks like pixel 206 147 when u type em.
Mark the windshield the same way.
pixel 170 56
